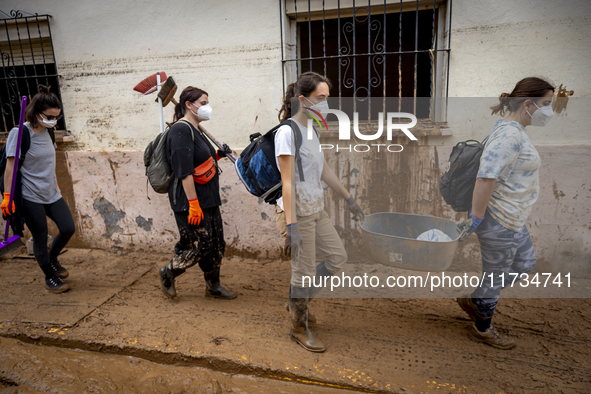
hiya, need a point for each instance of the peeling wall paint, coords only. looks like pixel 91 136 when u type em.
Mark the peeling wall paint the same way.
pixel 143 223
pixel 110 216
pixel 113 208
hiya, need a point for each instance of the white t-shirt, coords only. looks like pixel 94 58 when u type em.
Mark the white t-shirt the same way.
pixel 310 193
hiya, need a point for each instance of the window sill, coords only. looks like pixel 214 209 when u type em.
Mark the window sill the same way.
pixel 61 136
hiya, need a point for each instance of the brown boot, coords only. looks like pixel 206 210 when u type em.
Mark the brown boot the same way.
pixel 468 306
pixel 213 287
pixel 298 309
pixel 311 317
pixel 491 337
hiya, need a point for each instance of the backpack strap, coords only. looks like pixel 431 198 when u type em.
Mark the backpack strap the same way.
pixel 176 179
pixel 298 144
pixel 191 127
pixel 52 135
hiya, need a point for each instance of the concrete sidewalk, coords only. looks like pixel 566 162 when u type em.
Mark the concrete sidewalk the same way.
pixel 374 345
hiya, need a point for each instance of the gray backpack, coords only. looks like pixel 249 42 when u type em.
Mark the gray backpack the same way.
pixel 158 169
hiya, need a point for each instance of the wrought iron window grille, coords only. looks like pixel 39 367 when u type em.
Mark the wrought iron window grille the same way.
pixel 372 49
pixel 28 60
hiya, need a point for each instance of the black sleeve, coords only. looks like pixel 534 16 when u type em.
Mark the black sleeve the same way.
pixel 180 146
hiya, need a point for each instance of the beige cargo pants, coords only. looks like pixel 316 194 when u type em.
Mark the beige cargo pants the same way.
pixel 321 242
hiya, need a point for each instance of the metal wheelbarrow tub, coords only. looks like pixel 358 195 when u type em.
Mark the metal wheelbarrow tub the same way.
pixel 390 238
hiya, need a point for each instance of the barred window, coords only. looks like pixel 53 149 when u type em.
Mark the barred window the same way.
pixel 28 60
pixel 370 49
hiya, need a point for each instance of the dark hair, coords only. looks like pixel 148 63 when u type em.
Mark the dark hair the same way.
pixel 39 103
pixel 305 85
pixel 189 94
pixel 526 88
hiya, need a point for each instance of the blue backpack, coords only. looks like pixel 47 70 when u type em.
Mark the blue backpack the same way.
pixel 257 169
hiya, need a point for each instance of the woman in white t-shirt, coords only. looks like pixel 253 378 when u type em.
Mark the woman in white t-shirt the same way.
pixel 309 229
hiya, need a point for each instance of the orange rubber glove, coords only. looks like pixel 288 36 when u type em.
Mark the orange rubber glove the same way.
pixel 195 212
pixel 6 213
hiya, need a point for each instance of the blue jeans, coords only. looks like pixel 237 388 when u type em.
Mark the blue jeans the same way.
pixel 504 252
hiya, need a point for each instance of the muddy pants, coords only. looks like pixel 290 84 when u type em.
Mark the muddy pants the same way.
pixel 36 219
pixel 321 242
pixel 201 244
pixel 504 252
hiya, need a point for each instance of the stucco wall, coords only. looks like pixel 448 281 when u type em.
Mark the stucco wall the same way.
pixel 116 208
pixel 232 50
pixel 495 44
pixel 229 48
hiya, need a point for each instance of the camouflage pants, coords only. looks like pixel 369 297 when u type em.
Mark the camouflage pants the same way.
pixel 504 252
pixel 201 244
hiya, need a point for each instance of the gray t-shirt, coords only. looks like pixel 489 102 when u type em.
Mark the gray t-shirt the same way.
pixel 38 170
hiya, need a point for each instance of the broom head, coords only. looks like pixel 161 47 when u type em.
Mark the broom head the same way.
pixel 167 91
pixel 150 84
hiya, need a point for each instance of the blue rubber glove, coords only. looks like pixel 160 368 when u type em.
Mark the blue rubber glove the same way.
pixel 475 222
pixel 293 241
pixel 466 228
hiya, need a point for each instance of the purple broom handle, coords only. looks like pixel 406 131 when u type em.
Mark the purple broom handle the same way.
pixel 16 158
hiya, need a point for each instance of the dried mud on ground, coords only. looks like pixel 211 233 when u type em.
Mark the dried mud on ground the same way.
pixel 36 369
pixel 116 308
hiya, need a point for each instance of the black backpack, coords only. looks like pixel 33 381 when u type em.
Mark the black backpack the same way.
pixel 17 222
pixel 257 169
pixel 457 184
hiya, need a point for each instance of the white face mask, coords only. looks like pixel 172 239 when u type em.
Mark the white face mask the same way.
pixel 320 107
pixel 203 112
pixel 47 123
pixel 541 117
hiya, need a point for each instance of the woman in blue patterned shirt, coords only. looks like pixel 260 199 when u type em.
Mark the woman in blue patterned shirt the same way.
pixel 506 188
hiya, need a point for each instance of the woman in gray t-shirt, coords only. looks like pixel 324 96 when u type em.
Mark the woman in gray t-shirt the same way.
pixel 36 193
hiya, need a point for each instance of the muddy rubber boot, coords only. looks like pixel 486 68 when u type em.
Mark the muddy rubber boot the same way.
pixel 491 337
pixel 167 275
pixel 321 273
pixel 298 310
pixel 60 271
pixel 213 287
pixel 311 317
pixel 468 306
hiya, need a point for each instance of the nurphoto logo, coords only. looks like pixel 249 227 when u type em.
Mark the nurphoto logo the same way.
pixel 344 123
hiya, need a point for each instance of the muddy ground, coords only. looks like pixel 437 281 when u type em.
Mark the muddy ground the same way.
pixel 115 331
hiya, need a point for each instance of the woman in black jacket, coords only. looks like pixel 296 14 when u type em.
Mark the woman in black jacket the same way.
pixel 194 195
